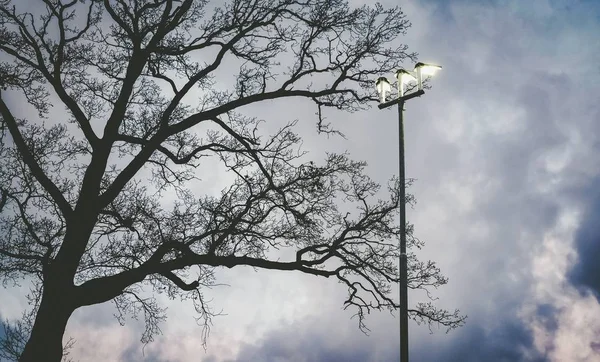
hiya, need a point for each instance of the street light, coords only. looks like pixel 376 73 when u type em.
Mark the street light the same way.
pixel 425 69
pixel 383 88
pixel 403 78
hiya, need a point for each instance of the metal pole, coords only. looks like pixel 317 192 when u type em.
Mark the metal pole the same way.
pixel 403 257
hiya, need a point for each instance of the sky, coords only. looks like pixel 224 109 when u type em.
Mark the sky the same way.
pixel 504 149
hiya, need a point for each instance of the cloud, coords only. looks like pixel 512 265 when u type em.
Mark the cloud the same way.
pixel 586 272
pixel 311 342
pixel 504 148
pixel 509 341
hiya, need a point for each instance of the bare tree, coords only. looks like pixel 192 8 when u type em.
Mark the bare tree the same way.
pixel 83 213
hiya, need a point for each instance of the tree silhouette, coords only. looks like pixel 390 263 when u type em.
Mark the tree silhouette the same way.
pixel 150 89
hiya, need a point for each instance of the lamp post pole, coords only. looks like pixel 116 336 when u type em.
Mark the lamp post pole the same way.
pixel 383 87
pixel 403 257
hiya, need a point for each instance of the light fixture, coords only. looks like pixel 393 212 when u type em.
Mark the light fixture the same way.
pixel 383 87
pixel 403 77
pixel 425 69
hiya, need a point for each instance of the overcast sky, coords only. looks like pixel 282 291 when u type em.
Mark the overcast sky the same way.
pixel 505 150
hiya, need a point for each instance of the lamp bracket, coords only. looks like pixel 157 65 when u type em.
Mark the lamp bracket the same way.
pixel 401 99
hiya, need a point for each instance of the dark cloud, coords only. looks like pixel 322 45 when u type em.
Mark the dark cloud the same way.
pixel 293 345
pixel 586 272
pixel 547 315
pixel 509 341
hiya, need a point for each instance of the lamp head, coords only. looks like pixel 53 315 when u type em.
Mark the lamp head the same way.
pixel 383 87
pixel 425 69
pixel 404 77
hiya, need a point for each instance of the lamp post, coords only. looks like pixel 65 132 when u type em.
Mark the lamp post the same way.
pixel 403 77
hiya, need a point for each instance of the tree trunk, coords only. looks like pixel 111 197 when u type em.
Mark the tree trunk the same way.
pixel 45 342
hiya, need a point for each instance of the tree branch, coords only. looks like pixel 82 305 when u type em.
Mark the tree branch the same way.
pixel 106 288
pixel 31 162
pixel 180 283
